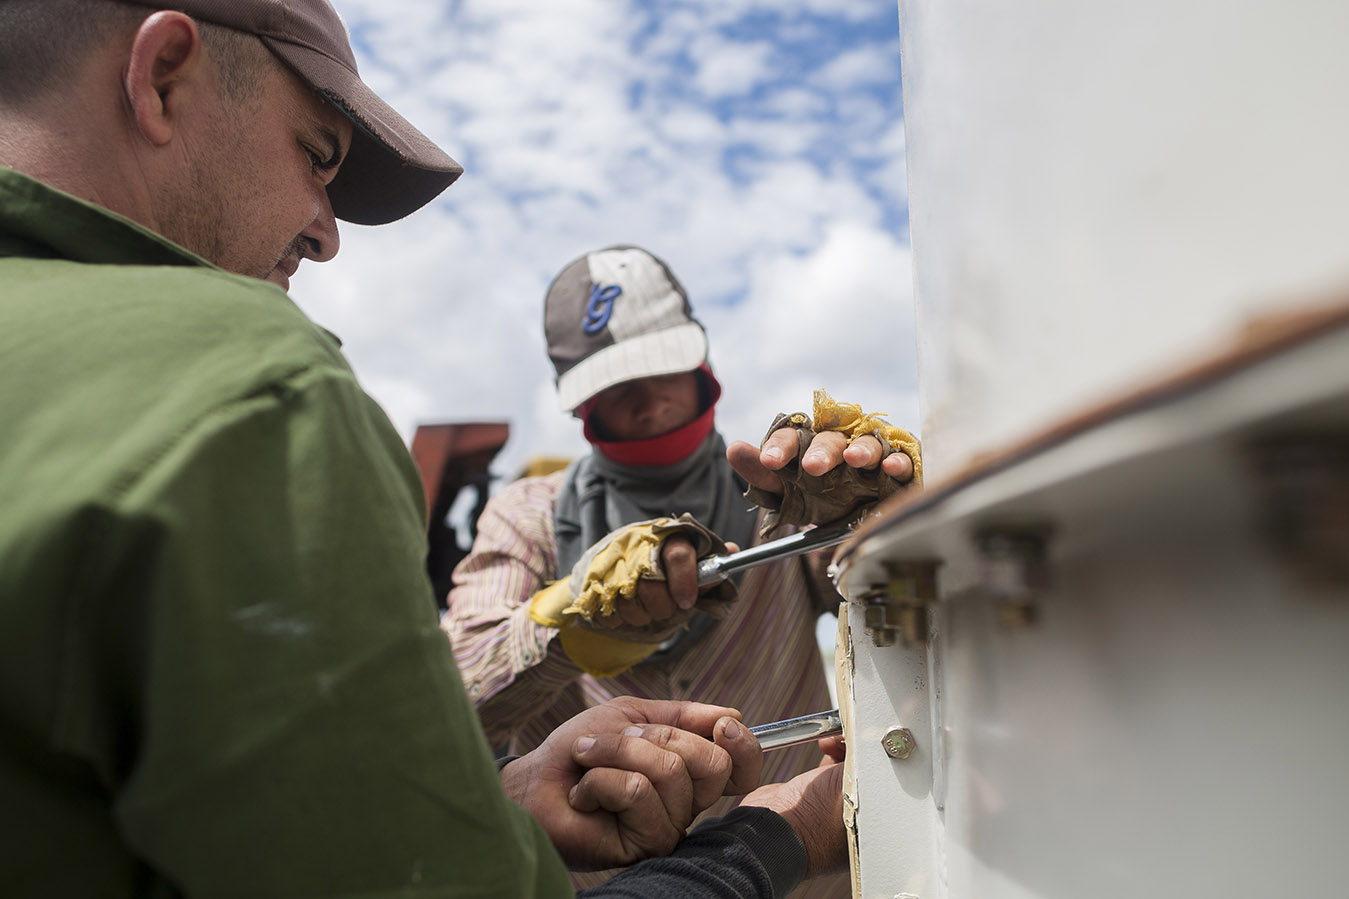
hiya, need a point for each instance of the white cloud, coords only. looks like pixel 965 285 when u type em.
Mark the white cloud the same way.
pixel 727 68
pixel 870 65
pixel 838 317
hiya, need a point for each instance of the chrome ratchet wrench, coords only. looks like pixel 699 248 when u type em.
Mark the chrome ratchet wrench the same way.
pixel 715 569
pixel 798 730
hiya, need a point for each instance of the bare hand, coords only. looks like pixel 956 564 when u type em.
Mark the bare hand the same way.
pixel 828 448
pixel 812 803
pixel 623 781
pixel 662 602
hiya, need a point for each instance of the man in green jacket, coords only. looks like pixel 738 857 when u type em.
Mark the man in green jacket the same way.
pixel 220 672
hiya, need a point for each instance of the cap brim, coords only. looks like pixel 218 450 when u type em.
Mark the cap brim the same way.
pixel 667 352
pixel 392 169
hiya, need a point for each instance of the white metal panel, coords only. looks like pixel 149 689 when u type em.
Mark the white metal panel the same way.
pixel 897 823
pixel 1171 719
pixel 1099 191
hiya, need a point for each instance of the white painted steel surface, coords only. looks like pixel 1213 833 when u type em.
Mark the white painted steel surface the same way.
pixel 1100 191
pixel 896 820
pixel 1173 721
pixel 1101 194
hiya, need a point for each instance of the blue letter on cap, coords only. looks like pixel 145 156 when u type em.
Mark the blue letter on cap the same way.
pixel 600 306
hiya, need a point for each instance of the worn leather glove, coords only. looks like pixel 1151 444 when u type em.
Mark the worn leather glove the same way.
pixel 607 574
pixel 843 492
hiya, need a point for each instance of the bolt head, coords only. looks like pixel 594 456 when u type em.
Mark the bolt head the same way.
pixel 899 742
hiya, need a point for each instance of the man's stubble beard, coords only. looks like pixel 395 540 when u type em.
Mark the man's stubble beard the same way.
pixel 203 212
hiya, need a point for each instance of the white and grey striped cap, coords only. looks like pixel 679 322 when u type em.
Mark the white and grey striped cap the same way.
pixel 615 315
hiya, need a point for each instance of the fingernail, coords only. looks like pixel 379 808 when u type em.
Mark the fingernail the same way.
pixel 632 730
pixel 571 794
pixel 731 730
pixel 583 745
pixel 773 455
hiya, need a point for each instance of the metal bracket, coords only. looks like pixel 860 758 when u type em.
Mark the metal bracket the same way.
pixel 1014 570
pixel 1303 484
pixel 898 609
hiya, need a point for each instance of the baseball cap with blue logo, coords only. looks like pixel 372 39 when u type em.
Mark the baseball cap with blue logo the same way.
pixel 615 315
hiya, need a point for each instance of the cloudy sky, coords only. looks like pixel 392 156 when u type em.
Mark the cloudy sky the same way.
pixel 756 146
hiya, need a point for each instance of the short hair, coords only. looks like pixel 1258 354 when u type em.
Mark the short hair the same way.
pixel 241 58
pixel 42 43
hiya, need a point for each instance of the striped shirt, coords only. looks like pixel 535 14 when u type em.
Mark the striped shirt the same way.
pixel 762 658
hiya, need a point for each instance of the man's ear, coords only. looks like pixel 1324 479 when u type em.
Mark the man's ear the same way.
pixel 166 63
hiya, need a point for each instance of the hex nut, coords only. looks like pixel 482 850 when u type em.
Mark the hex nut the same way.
pixel 899 742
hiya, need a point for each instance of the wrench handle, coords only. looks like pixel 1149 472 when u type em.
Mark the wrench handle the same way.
pixel 715 569
pixel 805 729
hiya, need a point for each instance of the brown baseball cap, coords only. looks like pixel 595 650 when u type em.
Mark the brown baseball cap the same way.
pixel 392 169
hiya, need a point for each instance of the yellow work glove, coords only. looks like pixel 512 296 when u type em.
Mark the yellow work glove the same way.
pixel 607 574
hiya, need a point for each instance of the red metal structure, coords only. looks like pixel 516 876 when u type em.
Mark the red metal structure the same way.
pixel 451 458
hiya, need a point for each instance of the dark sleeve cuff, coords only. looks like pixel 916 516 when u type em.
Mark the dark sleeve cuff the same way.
pixel 769 838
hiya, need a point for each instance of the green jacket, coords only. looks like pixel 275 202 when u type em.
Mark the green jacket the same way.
pixel 220 670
